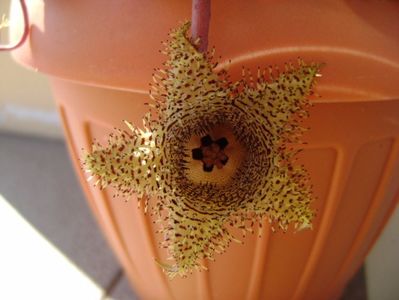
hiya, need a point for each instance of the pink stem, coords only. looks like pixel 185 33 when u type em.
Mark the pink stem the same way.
pixel 200 17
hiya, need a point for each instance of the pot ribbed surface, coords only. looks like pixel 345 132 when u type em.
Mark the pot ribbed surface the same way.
pixel 353 160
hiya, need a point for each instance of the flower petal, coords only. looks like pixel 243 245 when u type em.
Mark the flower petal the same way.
pixel 129 162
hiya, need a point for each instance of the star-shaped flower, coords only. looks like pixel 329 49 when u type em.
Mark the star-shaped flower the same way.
pixel 200 120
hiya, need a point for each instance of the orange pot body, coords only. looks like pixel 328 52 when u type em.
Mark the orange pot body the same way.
pixel 100 55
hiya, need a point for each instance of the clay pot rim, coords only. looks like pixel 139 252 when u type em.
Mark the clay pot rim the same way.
pixel 41 55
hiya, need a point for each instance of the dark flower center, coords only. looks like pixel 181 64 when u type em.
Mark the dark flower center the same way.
pixel 211 153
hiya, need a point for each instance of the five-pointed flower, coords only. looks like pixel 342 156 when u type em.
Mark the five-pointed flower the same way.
pixel 212 154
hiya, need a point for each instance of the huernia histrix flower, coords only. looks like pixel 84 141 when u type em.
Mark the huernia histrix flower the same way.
pixel 212 154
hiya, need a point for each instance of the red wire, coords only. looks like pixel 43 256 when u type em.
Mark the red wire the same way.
pixel 26 29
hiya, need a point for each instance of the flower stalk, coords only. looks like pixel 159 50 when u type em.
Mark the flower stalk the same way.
pixel 200 20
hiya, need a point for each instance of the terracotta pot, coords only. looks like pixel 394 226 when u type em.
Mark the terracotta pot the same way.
pixel 99 56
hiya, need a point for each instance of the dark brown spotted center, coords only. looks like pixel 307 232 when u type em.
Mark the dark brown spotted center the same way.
pixel 211 153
